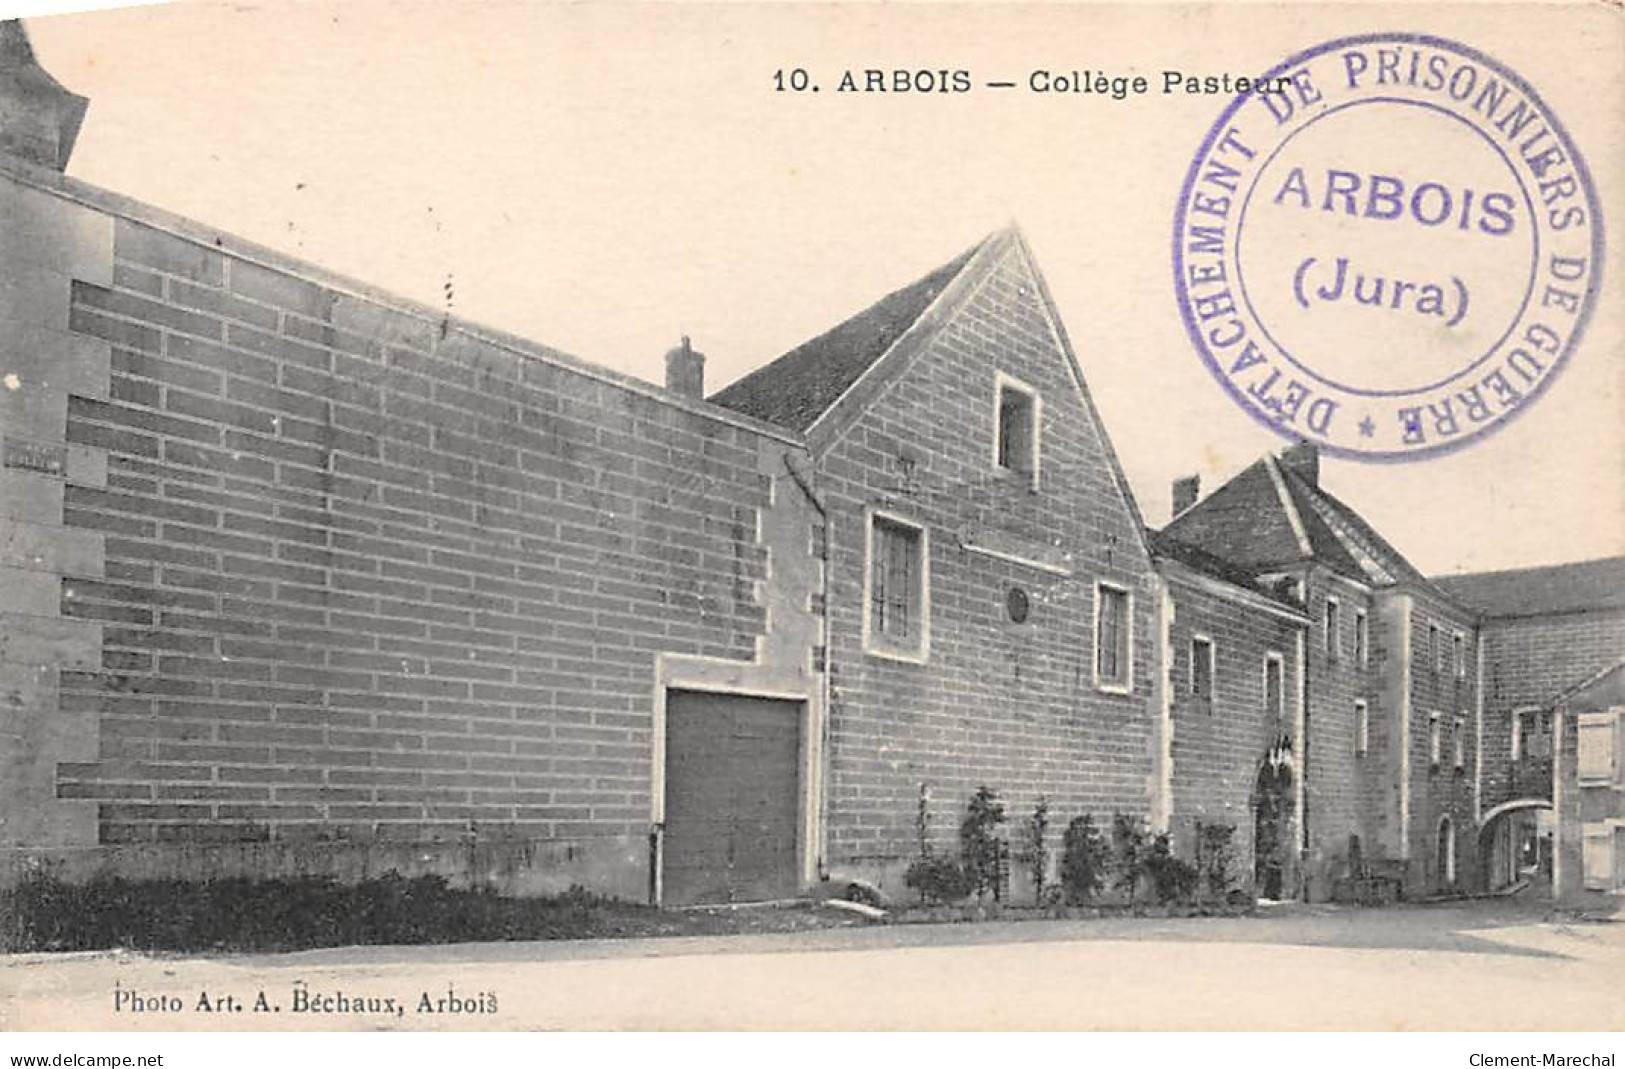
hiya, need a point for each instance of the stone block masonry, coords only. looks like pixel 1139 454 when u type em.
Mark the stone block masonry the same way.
pixel 331 585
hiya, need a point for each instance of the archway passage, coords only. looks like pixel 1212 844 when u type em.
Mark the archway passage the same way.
pixel 1272 820
pixel 1515 841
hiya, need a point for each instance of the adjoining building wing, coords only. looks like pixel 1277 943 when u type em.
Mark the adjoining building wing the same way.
pixel 1558 588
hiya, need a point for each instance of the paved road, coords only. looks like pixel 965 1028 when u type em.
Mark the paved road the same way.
pixel 1483 966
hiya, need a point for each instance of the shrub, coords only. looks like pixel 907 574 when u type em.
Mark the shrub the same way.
pixel 1084 856
pixel 43 912
pixel 1129 844
pixel 980 848
pixel 1173 879
pixel 939 880
pixel 1035 847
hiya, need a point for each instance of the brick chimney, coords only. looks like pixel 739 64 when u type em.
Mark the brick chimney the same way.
pixel 685 370
pixel 1186 491
pixel 39 120
pixel 1303 458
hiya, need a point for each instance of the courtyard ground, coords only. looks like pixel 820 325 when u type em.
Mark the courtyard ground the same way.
pixel 1479 965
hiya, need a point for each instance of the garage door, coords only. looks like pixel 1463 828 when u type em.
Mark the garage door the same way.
pixel 732 789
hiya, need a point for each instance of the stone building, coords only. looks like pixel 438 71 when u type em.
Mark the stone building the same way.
pixel 299 577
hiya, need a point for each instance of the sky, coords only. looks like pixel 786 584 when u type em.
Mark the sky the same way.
pixel 606 178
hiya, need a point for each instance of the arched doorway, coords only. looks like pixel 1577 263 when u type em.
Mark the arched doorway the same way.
pixel 1515 841
pixel 1272 828
pixel 1445 854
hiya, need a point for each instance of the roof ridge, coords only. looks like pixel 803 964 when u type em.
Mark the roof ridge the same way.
pixel 1289 506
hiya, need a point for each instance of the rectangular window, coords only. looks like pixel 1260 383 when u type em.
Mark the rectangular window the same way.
pixel 1202 673
pixel 1435 651
pixel 1362 639
pixel 1274 687
pixel 1362 728
pixel 1333 623
pixel 899 617
pixel 1458 645
pixel 1528 738
pixel 1598 742
pixel 1459 737
pixel 1435 740
pixel 1015 439
pixel 1113 649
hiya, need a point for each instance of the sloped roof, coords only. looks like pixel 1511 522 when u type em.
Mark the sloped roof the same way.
pixel 1605 690
pixel 1328 547
pixel 1242 523
pixel 1162 545
pixel 1246 523
pixel 1357 538
pixel 1557 588
pixel 798 387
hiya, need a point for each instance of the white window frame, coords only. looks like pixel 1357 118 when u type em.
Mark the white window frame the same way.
pixel 1126 685
pixel 1435 740
pixel 1272 657
pixel 1362 638
pixel 1002 382
pixel 877 646
pixel 1332 622
pixel 1362 727
pixel 1458 651
pixel 1459 742
pixel 1602 728
pixel 1448 862
pixel 1212 670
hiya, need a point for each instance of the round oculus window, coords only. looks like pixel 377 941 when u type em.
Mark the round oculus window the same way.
pixel 1017 605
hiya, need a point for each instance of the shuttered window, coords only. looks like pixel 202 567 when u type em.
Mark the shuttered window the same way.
pixel 1597 843
pixel 1599 742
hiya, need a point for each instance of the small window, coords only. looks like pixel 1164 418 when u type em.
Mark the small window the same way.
pixel 1274 689
pixel 1435 740
pixel 1459 737
pixel 1333 624
pixel 1113 648
pixel 1435 649
pixel 899 617
pixel 1458 643
pixel 1362 728
pixel 1202 673
pixel 1528 741
pixel 1015 441
pixel 1362 639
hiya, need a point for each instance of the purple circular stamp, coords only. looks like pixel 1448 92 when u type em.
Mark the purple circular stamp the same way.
pixel 1391 251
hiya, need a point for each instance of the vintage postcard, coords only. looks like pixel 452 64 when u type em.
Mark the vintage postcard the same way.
pixel 842 516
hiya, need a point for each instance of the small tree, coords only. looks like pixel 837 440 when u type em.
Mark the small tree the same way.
pixel 980 847
pixel 1035 847
pixel 1084 856
pixel 937 879
pixel 1215 854
pixel 1128 853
